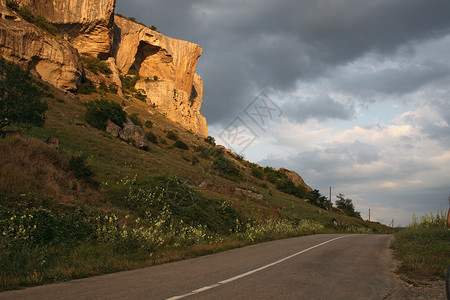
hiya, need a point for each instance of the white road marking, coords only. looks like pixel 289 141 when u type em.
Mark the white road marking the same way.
pixel 208 287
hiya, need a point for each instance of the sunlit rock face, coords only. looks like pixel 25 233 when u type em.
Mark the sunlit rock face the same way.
pixel 86 24
pixel 167 70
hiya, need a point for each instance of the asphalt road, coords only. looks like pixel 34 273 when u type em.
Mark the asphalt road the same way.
pixel 328 266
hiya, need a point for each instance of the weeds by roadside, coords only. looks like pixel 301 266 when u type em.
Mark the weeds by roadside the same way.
pixel 423 248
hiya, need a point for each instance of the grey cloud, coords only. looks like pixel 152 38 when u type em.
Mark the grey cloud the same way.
pixel 392 82
pixel 275 44
pixel 320 108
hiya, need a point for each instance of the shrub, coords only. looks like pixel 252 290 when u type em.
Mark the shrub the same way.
pixel 78 165
pixel 257 172
pixel 128 82
pixel 95 65
pixel 181 145
pixel 20 101
pixel 103 86
pixel 172 135
pixel 113 88
pixel 287 186
pixel 152 137
pixel 27 15
pixel 225 166
pixel 140 96
pixel 148 124
pixel 13 5
pixel 86 87
pixel 135 119
pixel 210 140
pixel 98 112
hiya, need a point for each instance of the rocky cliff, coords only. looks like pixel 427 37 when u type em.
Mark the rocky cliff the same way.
pixel 166 65
pixel 53 60
pixel 86 24
pixel 167 68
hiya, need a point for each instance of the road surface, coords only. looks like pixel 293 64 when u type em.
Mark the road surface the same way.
pixel 326 266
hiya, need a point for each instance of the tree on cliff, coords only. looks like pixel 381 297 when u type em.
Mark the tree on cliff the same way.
pixel 20 101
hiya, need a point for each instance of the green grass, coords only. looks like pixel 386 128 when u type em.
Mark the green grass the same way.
pixel 423 248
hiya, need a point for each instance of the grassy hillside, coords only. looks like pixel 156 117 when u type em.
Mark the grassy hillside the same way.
pixel 100 205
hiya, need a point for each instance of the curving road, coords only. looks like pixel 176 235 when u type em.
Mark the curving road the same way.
pixel 327 266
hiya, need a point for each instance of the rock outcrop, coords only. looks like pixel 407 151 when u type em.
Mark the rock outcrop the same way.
pixel 86 24
pixel 167 68
pixel 129 132
pixel 166 65
pixel 55 61
pixel 296 179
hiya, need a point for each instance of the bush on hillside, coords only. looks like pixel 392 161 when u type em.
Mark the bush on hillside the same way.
pixel 171 135
pixel 210 140
pixel 225 166
pixel 95 65
pixel 152 138
pixel 81 170
pixel 20 101
pixel 181 145
pixel 148 124
pixel 86 87
pixel 98 112
pixel 135 119
pixel 287 186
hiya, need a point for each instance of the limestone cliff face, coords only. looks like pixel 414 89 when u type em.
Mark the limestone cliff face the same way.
pixel 87 24
pixel 167 67
pixel 55 61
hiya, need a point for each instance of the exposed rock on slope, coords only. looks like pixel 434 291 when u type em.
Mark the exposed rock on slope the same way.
pixel 87 24
pixel 167 67
pixel 296 179
pixel 55 61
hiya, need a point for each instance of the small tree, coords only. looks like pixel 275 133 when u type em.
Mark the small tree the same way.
pixel 346 205
pixel 315 198
pixel 210 140
pixel 98 112
pixel 20 101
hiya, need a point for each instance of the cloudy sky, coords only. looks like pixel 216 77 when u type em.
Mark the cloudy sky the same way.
pixel 353 94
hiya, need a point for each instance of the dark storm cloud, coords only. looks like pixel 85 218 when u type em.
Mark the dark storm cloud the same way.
pixel 320 108
pixel 254 45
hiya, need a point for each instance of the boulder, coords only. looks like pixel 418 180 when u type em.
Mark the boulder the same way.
pixel 136 134
pixel 112 128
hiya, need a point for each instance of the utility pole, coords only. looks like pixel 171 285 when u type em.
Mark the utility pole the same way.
pixel 246 186
pixel 369 214
pixel 331 204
